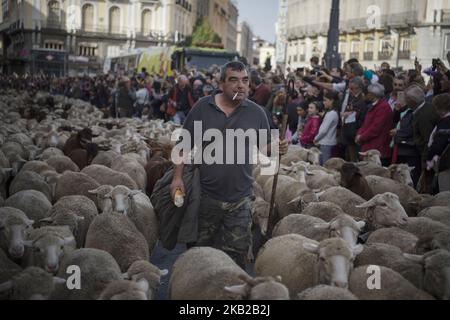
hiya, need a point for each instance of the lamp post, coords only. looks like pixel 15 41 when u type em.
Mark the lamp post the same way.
pixel 332 56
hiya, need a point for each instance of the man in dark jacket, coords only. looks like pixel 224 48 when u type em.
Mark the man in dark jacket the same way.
pixel 181 97
pixel 425 120
pixel 405 150
pixel 125 98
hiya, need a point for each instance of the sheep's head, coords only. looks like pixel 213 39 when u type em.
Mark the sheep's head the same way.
pixel 49 249
pixel 336 259
pixel 372 156
pixel 51 177
pixel 14 229
pixel 385 210
pixel 345 227
pixel 402 173
pixel 261 288
pixel 104 200
pixel 436 272
pixel 147 275
pixel 122 198
pixel 301 202
pixel 314 156
pixel 349 171
pixel 31 284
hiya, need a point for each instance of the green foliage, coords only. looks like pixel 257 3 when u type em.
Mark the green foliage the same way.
pixel 204 36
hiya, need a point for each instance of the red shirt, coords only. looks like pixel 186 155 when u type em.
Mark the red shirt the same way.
pixel 310 131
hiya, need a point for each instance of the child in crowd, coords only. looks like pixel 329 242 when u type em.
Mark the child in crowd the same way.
pixel 312 125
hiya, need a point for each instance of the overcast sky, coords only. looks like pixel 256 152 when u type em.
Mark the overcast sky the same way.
pixel 261 15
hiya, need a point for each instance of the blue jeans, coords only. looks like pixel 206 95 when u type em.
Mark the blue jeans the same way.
pixel 179 118
pixel 326 152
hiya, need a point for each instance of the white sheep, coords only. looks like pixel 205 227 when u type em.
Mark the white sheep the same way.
pixel 34 203
pixel 75 183
pixel 105 204
pixel 105 158
pixel 116 234
pixel 106 176
pixel 392 285
pixel 390 256
pixel 62 164
pixel 303 263
pixel 439 214
pixel 47 246
pixel 402 239
pixel 432 235
pixel 208 274
pixel 147 274
pixel 30 180
pixel 138 208
pixel 31 284
pixel 76 212
pixel 435 272
pixel 346 200
pixel 98 268
pixel 326 211
pixel 14 228
pixel 124 290
pixel 133 168
pixel 342 226
pixel 326 293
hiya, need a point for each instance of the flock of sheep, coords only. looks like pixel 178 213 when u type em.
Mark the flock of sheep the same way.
pixel 64 206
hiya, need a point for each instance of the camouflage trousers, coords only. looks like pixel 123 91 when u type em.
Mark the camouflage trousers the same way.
pixel 226 226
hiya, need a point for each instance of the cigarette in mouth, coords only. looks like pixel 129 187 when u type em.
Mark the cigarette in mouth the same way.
pixel 235 96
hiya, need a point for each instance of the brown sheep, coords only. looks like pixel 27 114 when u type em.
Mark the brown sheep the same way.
pixel 353 180
pixel 156 168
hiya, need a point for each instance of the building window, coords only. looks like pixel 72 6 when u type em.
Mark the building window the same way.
pixel 114 20
pixel 369 45
pixel 53 13
pixel 356 46
pixel 387 45
pixel 5 8
pixel 53 45
pixel 146 22
pixel 87 17
pixel 406 45
pixel 87 51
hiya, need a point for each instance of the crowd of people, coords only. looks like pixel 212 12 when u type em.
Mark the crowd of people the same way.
pixel 343 112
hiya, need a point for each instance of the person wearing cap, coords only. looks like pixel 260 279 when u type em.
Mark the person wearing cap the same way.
pixel 375 131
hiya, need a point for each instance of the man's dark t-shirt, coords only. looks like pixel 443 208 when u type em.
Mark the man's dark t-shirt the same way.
pixel 227 182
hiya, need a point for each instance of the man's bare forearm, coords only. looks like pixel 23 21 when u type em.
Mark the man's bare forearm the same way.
pixel 178 171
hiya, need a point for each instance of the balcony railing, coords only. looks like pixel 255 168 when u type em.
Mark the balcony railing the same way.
pixel 51 24
pixel 404 55
pixel 368 56
pixel 384 55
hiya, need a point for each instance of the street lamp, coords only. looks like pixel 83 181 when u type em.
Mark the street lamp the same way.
pixel 332 56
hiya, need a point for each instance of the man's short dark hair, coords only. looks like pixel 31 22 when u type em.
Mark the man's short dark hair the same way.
pixel 353 60
pixel 234 66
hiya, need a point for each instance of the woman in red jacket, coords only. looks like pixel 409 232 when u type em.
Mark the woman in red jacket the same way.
pixel 312 126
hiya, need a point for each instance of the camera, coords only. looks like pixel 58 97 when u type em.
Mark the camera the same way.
pixel 436 63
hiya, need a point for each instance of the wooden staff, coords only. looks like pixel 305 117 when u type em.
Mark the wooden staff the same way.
pixel 290 89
